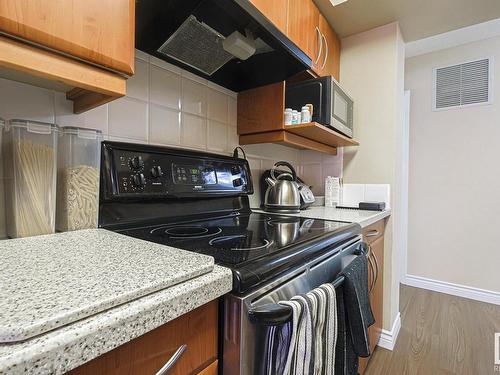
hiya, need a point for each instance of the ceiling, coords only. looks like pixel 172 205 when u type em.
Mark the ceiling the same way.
pixel 417 18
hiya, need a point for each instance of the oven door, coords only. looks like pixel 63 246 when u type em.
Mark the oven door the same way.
pixel 342 107
pixel 245 340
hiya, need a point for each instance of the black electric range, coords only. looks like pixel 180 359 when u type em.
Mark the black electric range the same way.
pixel 199 202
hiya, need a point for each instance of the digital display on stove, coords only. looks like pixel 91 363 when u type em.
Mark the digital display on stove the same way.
pixel 193 175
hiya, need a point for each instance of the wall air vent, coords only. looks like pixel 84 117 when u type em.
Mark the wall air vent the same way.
pixel 462 85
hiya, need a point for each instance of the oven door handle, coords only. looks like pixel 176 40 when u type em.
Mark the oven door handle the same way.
pixel 271 314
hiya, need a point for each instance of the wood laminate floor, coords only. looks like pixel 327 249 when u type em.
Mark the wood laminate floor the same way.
pixel 440 335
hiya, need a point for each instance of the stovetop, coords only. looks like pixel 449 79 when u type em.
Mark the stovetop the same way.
pixel 199 202
pixel 237 239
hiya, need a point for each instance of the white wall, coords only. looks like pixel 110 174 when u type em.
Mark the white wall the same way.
pixel 372 71
pixel 166 105
pixel 454 187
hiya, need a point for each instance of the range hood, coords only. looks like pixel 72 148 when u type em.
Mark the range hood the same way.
pixel 205 36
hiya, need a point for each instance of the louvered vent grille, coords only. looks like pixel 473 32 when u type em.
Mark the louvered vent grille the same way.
pixel 463 84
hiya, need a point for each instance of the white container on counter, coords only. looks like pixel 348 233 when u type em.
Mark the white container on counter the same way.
pixel 332 191
pixel 3 231
pixel 78 178
pixel 30 159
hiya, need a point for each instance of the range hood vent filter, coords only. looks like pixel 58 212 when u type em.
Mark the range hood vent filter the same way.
pixel 198 45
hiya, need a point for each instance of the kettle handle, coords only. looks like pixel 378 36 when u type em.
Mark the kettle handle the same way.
pixel 284 164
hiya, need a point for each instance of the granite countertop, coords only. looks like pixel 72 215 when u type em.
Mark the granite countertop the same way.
pixel 92 291
pixel 362 217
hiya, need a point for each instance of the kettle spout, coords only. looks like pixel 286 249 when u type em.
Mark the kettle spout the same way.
pixel 270 181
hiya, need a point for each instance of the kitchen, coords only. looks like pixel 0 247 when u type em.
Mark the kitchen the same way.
pixel 190 169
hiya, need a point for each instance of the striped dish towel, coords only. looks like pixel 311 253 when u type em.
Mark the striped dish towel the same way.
pixel 313 333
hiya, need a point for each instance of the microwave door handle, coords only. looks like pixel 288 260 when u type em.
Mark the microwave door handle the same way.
pixel 326 51
pixel 320 40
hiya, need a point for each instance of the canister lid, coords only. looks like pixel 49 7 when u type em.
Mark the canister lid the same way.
pixel 33 126
pixel 82 132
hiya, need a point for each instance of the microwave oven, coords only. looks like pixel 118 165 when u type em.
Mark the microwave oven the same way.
pixel 332 106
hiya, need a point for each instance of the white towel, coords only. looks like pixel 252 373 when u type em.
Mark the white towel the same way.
pixel 296 315
pixel 313 333
pixel 331 329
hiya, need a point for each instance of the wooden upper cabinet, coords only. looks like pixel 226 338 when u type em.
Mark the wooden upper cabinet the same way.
pixel 275 10
pixel 303 27
pixel 97 31
pixel 329 64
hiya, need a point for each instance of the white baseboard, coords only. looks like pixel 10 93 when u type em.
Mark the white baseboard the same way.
pixel 388 338
pixel 453 289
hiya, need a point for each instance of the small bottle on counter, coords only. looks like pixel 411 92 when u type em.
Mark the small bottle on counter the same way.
pixel 295 117
pixel 305 115
pixel 288 116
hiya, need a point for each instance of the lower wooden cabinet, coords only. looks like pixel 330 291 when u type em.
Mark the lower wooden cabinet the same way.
pixel 374 236
pixel 149 352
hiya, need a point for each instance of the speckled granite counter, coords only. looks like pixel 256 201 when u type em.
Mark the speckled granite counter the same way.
pixel 362 217
pixel 71 345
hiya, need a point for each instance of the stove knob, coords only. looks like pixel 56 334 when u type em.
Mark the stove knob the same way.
pixel 138 180
pixel 156 171
pixel 237 182
pixel 136 163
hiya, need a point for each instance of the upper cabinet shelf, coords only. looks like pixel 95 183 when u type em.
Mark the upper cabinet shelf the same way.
pixel 84 48
pixel 322 134
pixel 261 120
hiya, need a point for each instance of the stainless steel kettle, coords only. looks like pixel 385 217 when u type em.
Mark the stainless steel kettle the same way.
pixel 282 194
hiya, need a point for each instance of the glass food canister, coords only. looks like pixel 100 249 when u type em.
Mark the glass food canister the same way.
pixel 78 178
pixel 3 232
pixel 30 159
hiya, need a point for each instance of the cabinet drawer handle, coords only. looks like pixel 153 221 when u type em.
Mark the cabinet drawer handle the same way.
pixel 372 233
pixel 376 268
pixel 172 361
pixel 326 52
pixel 371 266
pixel 320 40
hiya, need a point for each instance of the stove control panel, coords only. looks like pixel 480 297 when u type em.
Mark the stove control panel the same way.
pixel 133 171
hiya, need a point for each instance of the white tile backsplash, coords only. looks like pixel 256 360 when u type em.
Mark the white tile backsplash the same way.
pixel 194 131
pixel 166 105
pixel 16 95
pixel 165 87
pixel 194 97
pixel 232 111
pixel 217 136
pixel 164 125
pixel 128 117
pixel 96 118
pixel 352 194
pixel 138 84
pixel 217 106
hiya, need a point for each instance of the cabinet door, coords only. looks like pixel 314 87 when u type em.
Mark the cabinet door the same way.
pixel 329 64
pixel 377 294
pixel 97 31
pixel 276 11
pixel 146 354
pixel 303 27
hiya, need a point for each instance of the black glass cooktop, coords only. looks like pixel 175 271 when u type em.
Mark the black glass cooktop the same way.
pixel 239 239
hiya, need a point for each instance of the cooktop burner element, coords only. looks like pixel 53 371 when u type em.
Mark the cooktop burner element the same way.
pixel 187 231
pixel 239 242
